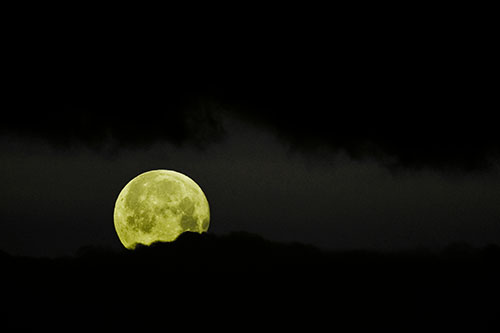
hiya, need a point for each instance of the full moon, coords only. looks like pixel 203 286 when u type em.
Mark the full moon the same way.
pixel 159 205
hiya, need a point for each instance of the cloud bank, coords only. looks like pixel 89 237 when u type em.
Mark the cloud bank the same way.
pixel 412 104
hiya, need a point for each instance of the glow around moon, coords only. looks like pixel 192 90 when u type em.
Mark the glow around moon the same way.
pixel 159 205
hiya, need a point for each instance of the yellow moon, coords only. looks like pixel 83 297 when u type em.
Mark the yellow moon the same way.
pixel 159 205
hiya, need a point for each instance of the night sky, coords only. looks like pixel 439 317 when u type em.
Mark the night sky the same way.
pixel 344 139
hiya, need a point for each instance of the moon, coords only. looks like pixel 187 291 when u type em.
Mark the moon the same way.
pixel 159 205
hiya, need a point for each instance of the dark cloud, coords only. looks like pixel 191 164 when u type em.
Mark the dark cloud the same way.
pixel 412 103
pixel 86 110
pixel 452 289
pixel 414 98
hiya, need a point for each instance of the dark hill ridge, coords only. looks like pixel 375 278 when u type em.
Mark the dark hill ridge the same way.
pixel 242 281
pixel 239 251
pixel 250 253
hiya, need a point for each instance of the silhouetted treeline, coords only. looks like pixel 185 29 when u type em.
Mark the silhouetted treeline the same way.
pixel 243 282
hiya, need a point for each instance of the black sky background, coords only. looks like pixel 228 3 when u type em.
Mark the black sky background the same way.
pixel 378 136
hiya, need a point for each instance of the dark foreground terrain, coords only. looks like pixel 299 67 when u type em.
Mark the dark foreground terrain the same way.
pixel 242 282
